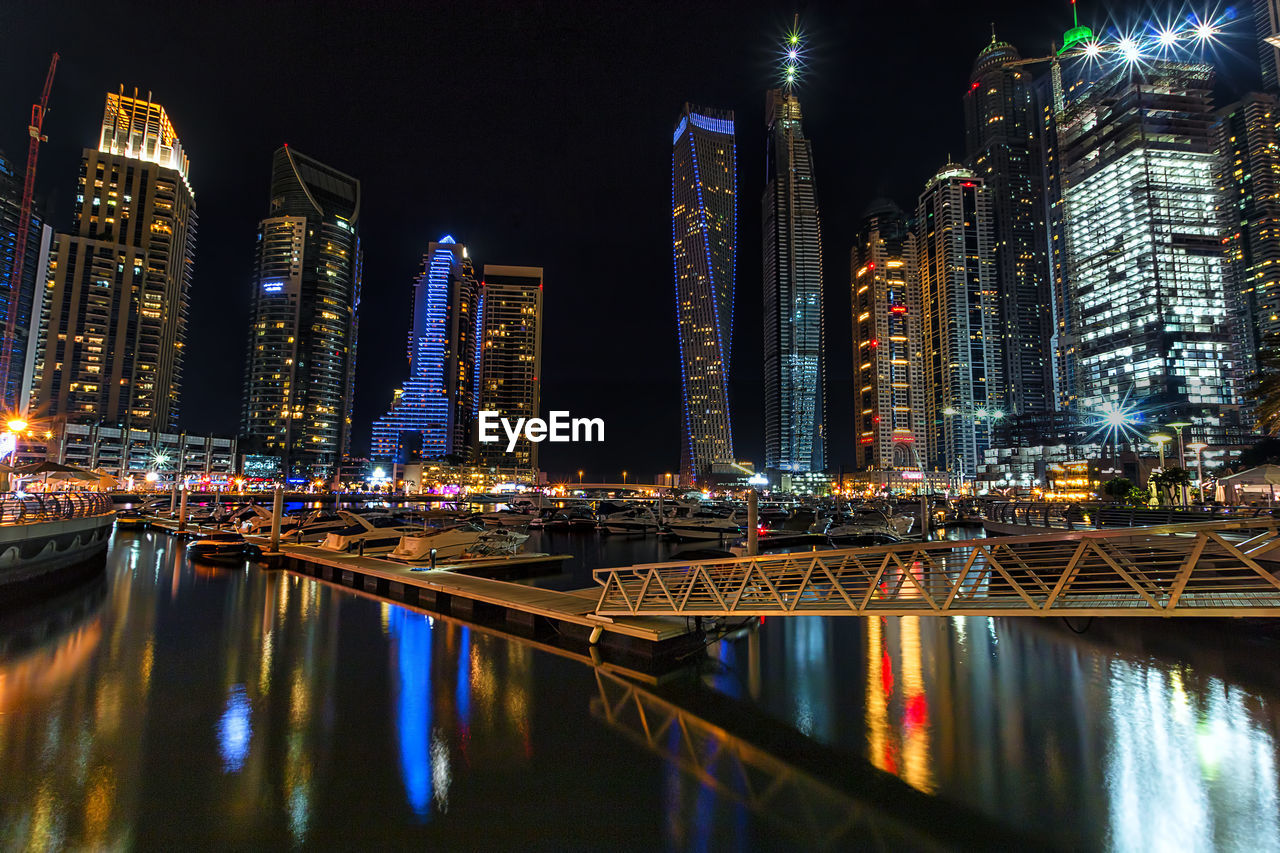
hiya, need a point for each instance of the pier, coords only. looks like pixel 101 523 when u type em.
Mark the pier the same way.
pixel 527 610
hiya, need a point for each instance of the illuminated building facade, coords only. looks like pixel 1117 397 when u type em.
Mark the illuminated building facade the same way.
pixel 1266 17
pixel 15 381
pixel 955 237
pixel 432 413
pixel 794 361
pixel 114 318
pixel 1249 177
pixel 1147 270
pixel 1003 148
pixel 888 360
pixel 304 305
pixel 509 360
pixel 704 231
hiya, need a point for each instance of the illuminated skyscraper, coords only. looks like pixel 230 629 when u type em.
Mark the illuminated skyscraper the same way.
pixel 794 361
pixel 304 301
pixel 1249 177
pixel 1003 148
pixel 704 231
pixel 114 319
pixel 888 366
pixel 955 244
pixel 433 413
pixel 1147 271
pixel 509 360
pixel 1266 16
pixel 15 384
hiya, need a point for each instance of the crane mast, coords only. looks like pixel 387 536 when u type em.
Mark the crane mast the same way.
pixel 36 130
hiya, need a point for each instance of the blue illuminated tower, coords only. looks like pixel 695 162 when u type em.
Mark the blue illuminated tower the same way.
pixel 300 364
pixel 794 362
pixel 704 227
pixel 431 414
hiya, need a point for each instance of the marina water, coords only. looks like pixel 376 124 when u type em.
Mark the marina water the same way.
pixel 166 702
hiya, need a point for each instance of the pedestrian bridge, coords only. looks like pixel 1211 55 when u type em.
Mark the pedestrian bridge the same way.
pixel 1219 568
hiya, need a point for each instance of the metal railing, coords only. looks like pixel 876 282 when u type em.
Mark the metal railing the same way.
pixel 1080 516
pixel 1206 569
pixel 32 508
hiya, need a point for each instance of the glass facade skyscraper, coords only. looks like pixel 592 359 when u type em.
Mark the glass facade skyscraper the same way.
pixel 15 381
pixel 704 230
pixel 1147 269
pixel 432 414
pixel 304 306
pixel 888 366
pixel 509 358
pixel 113 324
pixel 1002 146
pixel 1249 177
pixel 794 359
pixel 955 245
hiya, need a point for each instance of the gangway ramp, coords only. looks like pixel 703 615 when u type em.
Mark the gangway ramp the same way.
pixel 1221 568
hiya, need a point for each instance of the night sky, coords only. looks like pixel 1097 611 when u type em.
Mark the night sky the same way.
pixel 536 133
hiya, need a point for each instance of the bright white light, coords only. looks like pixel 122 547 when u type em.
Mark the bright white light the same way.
pixel 1204 32
pixel 1129 50
pixel 1092 49
pixel 793 54
pixel 1115 418
pixel 1167 38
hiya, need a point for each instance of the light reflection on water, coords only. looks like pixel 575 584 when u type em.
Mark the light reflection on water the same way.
pixel 259 706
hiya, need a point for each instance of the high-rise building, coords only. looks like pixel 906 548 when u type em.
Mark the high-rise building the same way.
pixel 15 380
pixel 888 359
pixel 1248 175
pixel 113 324
pixel 1266 18
pixel 704 232
pixel 509 361
pixel 1002 145
pixel 794 360
pixel 1147 270
pixel 433 413
pixel 964 389
pixel 304 304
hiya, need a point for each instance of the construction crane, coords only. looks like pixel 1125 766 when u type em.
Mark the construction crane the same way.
pixel 36 129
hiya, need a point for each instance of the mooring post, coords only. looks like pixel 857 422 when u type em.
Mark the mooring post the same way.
pixel 277 513
pixel 924 516
pixel 173 499
pixel 753 523
pixel 182 510
pixel 433 558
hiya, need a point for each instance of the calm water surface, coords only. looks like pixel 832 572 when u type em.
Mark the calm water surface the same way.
pixel 168 702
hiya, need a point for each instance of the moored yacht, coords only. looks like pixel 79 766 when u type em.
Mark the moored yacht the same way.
pixel 629 520
pixel 454 542
pixel 369 535
pixel 706 524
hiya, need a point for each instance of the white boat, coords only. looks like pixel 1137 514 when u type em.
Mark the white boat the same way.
pixel 369 535
pixel 632 520
pixel 862 527
pixel 504 518
pixel 454 542
pixel 315 526
pixel 706 525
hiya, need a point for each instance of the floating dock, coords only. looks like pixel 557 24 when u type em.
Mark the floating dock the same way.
pixel 531 612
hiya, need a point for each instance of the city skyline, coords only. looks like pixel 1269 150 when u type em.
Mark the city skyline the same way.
pixel 582 385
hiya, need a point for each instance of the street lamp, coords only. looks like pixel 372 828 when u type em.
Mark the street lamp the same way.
pixel 1182 456
pixel 1160 440
pixel 624 478
pixel 579 478
pixel 1198 448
